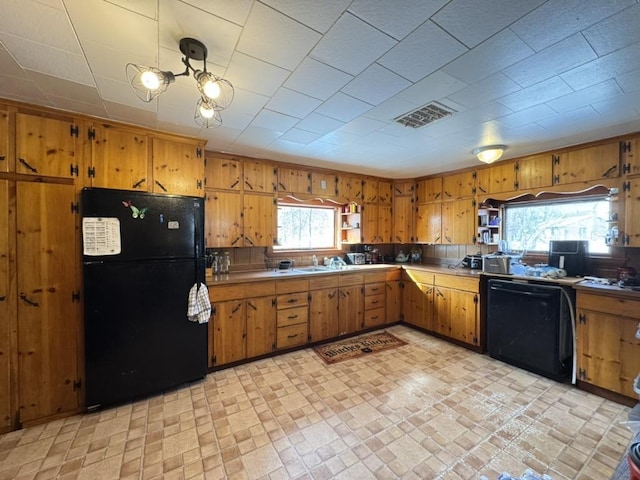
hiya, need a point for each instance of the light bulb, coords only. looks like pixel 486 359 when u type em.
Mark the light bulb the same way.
pixel 206 111
pixel 150 80
pixel 211 89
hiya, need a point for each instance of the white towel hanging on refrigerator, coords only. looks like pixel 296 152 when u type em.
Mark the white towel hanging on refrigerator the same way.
pixel 199 306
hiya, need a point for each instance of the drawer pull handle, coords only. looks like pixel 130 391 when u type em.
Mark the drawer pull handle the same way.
pixel 374 318
pixel 292 316
pixel 292 300
pixel 374 302
pixel 375 289
pixel 292 336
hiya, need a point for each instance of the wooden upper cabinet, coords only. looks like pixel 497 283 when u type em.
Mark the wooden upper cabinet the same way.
pixel 46 146
pixel 429 223
pixel 350 188
pixel 323 184
pixel 535 171
pixel 120 158
pixel 630 156
pixel 429 190
pixel 458 222
pixel 178 167
pixel 385 224
pixel 594 163
pixel 459 185
pixel 224 173
pixel 497 178
pixel 259 177
pixel 259 220
pixel 5 314
pixel 223 219
pixel 403 188
pixel 385 191
pixel 403 214
pixel 293 180
pixel 4 141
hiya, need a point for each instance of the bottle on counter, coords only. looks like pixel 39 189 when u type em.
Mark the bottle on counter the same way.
pixel 225 263
pixel 215 263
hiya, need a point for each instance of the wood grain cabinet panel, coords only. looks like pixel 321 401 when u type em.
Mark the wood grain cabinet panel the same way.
pixel 631 234
pixel 223 219
pixel 586 164
pixel 47 314
pixel 323 314
pixel 323 184
pixel 459 222
pixel 223 173
pixel 403 215
pixel 259 220
pixel 293 180
pixel 534 172
pixel 393 301
pixel 261 325
pixel 350 188
pixel 429 223
pixel 259 177
pixel 178 167
pixel 228 327
pixel 6 311
pixel 351 309
pixel 47 146
pixel 630 156
pixel 429 190
pixel 497 178
pixel 459 185
pixel 4 141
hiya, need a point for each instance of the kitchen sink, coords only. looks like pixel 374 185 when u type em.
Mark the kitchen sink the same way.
pixel 318 268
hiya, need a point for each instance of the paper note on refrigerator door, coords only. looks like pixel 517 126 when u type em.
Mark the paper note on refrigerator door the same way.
pixel 101 236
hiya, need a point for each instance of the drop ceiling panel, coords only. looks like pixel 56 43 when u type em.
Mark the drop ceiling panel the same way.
pixel 490 88
pixel 375 85
pixel 8 65
pixel 410 58
pixel 131 114
pixel 148 8
pixel 436 86
pixel 71 105
pixel 526 116
pixel 397 18
pixel 615 32
pixel 293 103
pixel 320 16
pixel 246 103
pixel 255 75
pixel 472 22
pixel 267 33
pixel 235 11
pixel 629 82
pixel 536 94
pixel 597 93
pixel 301 137
pixel 343 107
pixel 362 126
pixel 274 120
pixel 54 86
pixel 113 91
pixel 317 79
pixel 319 124
pixel 21 89
pixel 351 45
pixel 575 122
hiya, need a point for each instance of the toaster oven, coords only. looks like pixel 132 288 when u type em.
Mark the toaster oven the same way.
pixel 496 264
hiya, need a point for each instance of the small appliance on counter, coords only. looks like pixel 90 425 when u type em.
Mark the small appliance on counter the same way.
pixel 571 256
pixel 355 258
pixel 497 263
pixel 474 262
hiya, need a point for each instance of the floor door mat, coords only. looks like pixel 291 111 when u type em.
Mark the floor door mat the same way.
pixel 355 347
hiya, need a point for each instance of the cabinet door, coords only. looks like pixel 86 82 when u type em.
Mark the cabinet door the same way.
pixel 350 188
pixel 323 184
pixel 456 314
pixel 323 314
pixel 594 163
pixel 459 185
pixel 6 313
pixel 351 309
pixel 223 173
pixel 229 331
pixel 496 179
pixel 4 141
pixel 458 222
pixel 420 304
pixel 369 224
pixel 429 223
pixel 120 159
pixel 259 220
pixel 631 237
pixel 404 188
pixel 393 301
pixel 46 146
pixel 608 351
pixel 223 219
pixel 178 168
pixel 429 190
pixel 385 221
pixel 261 325
pixel 370 190
pixel 403 214
pixel 259 177
pixel 630 156
pixel 534 172
pixel 47 316
pixel 385 192
pixel 293 180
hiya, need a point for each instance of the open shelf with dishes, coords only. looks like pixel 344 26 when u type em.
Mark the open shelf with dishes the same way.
pixel 489 226
pixel 350 223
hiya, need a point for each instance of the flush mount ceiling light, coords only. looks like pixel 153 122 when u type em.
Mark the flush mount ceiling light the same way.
pixel 216 93
pixel 490 153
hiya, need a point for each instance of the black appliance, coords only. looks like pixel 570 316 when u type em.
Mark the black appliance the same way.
pixel 142 253
pixel 474 262
pixel 570 255
pixel 529 326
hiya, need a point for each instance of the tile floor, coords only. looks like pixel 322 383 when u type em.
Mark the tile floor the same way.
pixel 427 410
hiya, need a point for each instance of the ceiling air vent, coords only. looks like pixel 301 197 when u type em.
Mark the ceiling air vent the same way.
pixel 424 115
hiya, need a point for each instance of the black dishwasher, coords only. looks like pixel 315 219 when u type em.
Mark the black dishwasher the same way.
pixel 529 326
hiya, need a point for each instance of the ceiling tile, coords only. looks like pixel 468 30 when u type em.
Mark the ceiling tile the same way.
pixel 413 61
pixel 536 94
pixel 113 91
pixel 235 119
pixel 317 79
pixel 257 136
pixel 235 11
pixel 247 103
pixel 597 93
pixel 148 8
pixel 131 114
pixel 375 85
pixel 576 121
pixel 71 105
pixel 275 38
pixel 526 116
pixel 617 63
pixel 397 18
pixel 292 103
pixel 21 89
pixel 491 56
pixel 302 137
pixel 434 87
pixel 8 64
pixel 559 19
pixel 390 109
pixel 616 32
pixel 490 88
pixel 362 126
pixel 629 82
pixel 254 75
pixel 343 107
pixel 319 124
pixel 623 108
pixel 57 87
pixel 351 45
pixel 472 22
pixel 318 15
pixel 274 121
pixel 554 60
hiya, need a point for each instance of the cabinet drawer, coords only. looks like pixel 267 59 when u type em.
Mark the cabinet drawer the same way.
pixel 624 307
pixel 458 283
pixel 227 292
pixel 290 286
pixel 327 281
pixel 373 301
pixel 292 316
pixel 292 300
pixel 261 289
pixel 393 275
pixel 292 335
pixel 374 277
pixel 418 276
pixel 351 279
pixel 374 288
pixel 374 317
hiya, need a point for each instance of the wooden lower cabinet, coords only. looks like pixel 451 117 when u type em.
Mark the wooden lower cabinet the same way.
pixel 374 300
pixel 261 326
pixel 229 332
pixel 6 310
pixel 292 313
pixel 607 348
pixel 418 298
pixel 350 303
pixel 323 308
pixel 393 296
pixel 456 308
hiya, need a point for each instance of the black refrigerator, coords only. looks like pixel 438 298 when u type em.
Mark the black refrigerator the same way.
pixel 142 253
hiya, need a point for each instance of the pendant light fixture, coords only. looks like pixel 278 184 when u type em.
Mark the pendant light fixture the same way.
pixel 216 93
pixel 490 153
